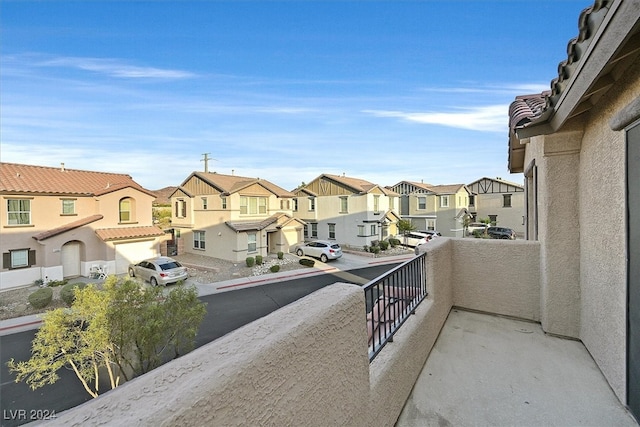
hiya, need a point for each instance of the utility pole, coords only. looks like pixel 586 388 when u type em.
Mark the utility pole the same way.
pixel 206 161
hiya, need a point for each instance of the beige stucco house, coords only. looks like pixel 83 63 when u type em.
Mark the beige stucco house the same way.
pixel 232 217
pixel 499 200
pixel 579 148
pixel 57 223
pixel 351 211
pixel 434 207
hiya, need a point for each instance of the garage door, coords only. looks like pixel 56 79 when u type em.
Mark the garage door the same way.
pixel 127 253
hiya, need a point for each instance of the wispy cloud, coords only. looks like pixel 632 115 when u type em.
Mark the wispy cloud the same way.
pixel 508 89
pixel 492 118
pixel 115 68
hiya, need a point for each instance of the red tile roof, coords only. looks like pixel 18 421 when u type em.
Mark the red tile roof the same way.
pixel 257 225
pixel 18 178
pixel 123 233
pixel 67 227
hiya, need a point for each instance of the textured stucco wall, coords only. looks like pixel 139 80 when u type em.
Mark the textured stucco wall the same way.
pixel 603 231
pixel 497 276
pixel 305 364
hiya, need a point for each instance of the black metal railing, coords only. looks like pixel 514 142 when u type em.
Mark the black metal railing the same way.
pixel 391 298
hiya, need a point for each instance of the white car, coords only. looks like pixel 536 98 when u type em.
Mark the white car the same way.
pixel 477 226
pixel 322 249
pixel 414 238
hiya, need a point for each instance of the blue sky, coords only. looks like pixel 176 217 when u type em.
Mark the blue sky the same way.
pixel 380 90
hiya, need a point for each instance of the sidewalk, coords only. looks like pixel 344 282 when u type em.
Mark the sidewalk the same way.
pixel 339 267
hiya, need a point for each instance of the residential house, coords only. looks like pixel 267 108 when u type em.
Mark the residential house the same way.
pixel 578 146
pixel 434 207
pixel 498 200
pixel 232 217
pixel 59 223
pixel 352 211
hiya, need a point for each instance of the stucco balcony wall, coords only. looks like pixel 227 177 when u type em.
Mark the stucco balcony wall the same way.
pixel 307 363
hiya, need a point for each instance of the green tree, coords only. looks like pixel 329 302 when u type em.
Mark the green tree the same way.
pixel 404 227
pixel 126 330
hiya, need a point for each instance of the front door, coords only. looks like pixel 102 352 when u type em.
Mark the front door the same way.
pixel 633 294
pixel 70 255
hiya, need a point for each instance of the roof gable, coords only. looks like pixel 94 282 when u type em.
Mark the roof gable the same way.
pixel 229 184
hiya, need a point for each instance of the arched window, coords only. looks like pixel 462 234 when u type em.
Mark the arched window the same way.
pixel 126 210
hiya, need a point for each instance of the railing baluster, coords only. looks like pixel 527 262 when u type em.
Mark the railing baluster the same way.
pixel 391 298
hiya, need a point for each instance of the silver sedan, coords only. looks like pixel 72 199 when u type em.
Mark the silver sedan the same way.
pixel 159 271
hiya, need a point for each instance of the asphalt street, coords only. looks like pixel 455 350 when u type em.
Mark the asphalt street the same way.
pixel 226 312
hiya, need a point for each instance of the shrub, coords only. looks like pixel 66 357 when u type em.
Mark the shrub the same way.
pixel 366 248
pixel 41 298
pixel 258 259
pixel 375 249
pixel 67 294
pixel 384 245
pixel 274 268
pixel 307 262
pixel 394 242
pixel 250 261
pixel 280 255
pixel 54 283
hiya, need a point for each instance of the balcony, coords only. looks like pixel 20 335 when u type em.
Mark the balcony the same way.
pixel 470 353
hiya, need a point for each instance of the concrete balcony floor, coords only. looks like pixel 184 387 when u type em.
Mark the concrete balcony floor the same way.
pixel 492 371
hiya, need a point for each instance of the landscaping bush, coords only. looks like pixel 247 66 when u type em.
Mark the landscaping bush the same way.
pixel 375 249
pixel 54 283
pixel 366 248
pixel 384 245
pixel 250 261
pixel 307 262
pixel 394 242
pixel 258 259
pixel 274 268
pixel 41 298
pixel 280 255
pixel 67 294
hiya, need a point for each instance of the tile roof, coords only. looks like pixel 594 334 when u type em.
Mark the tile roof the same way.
pixel 123 233
pixel 447 189
pixel 258 225
pixel 233 183
pixel 19 178
pixel 67 227
pixel 360 185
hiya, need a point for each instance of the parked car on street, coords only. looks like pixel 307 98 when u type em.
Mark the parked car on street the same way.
pixel 322 249
pixel 159 271
pixel 501 233
pixel 476 226
pixel 432 233
pixel 414 238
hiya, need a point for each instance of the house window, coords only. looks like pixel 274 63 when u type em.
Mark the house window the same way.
pixel 332 231
pixel 19 258
pixel 431 224
pixel 68 206
pixel 224 202
pixel 306 230
pixel 19 211
pixel 422 203
pixel 198 240
pixel 253 205
pixel 392 202
pixel 181 208
pixel 376 204
pixel 314 230
pixel 344 204
pixel 360 230
pixel 285 204
pixel 204 203
pixel 312 203
pixel 373 230
pixel 295 205
pixel 251 239
pixel 472 201
pixel 126 214
pixel 506 200
pixel 444 201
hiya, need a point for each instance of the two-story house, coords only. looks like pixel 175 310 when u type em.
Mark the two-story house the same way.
pixel 499 200
pixel 352 211
pixel 58 223
pixel 434 207
pixel 233 217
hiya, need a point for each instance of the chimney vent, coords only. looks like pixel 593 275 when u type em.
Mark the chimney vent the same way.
pixel 61 167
